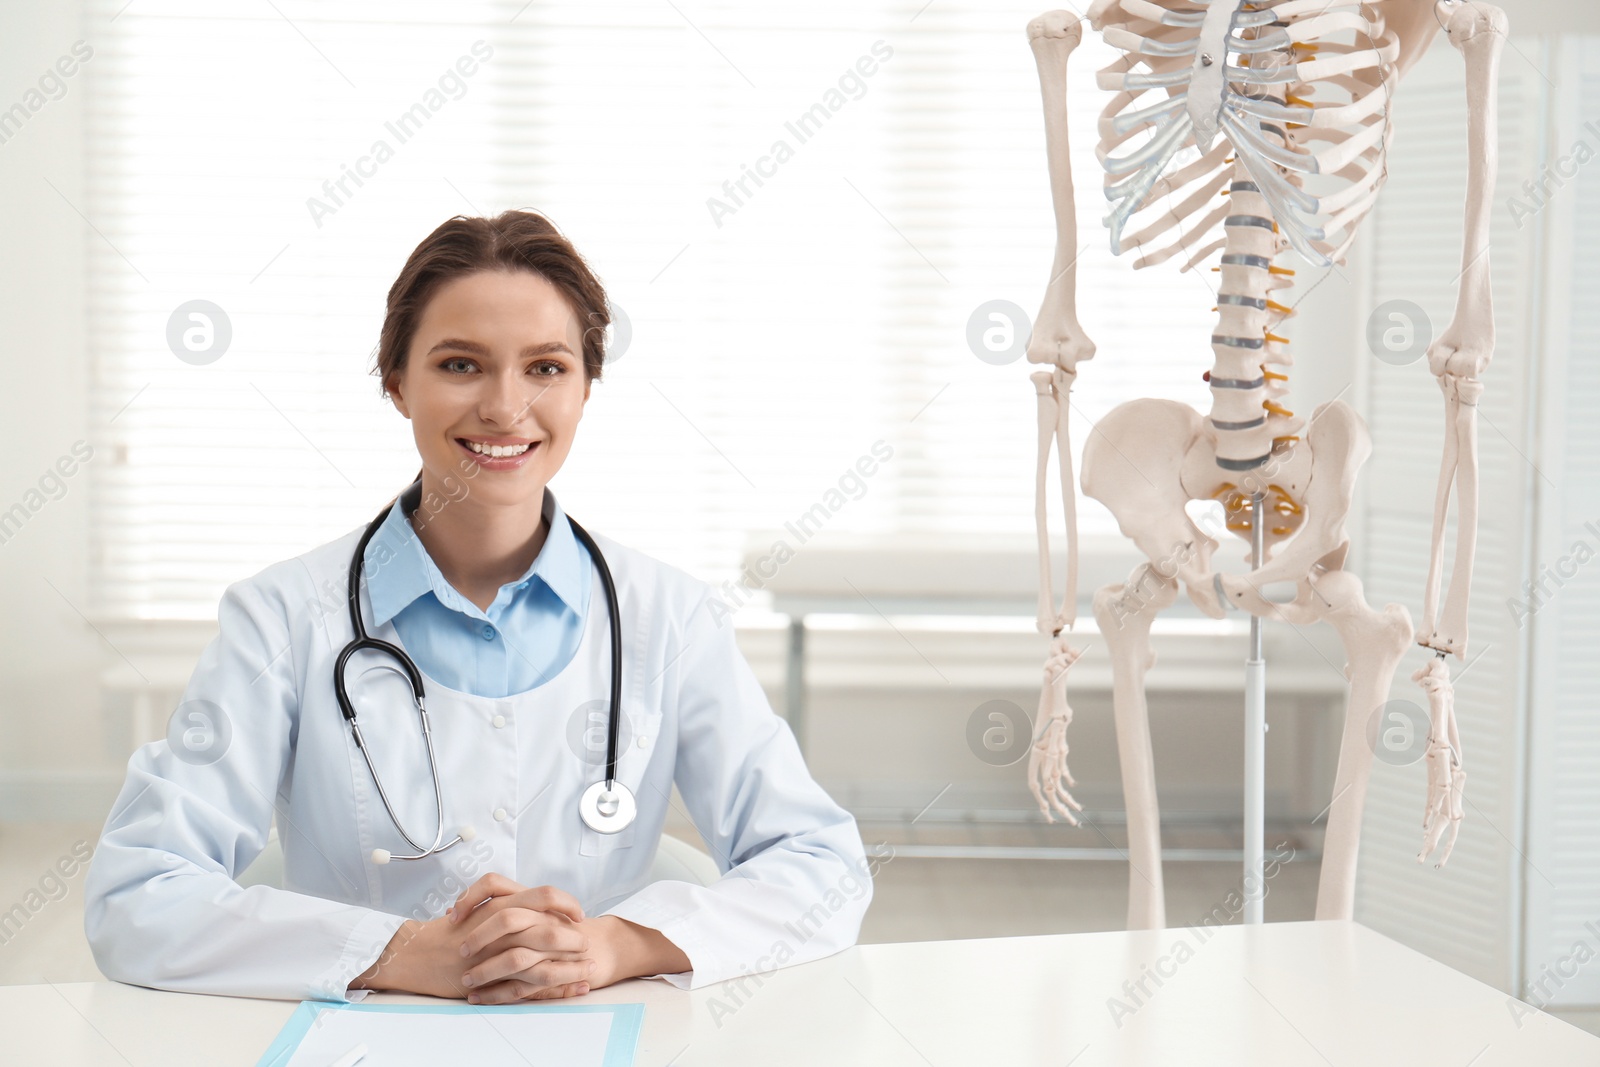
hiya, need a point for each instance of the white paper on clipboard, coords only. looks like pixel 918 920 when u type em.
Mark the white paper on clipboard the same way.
pixel 396 1035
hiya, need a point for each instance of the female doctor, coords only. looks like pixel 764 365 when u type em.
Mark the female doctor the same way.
pixel 516 869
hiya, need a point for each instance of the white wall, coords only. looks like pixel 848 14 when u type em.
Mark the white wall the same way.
pixel 49 712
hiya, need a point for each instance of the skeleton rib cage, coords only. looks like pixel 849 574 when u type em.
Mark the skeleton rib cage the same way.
pixel 1263 82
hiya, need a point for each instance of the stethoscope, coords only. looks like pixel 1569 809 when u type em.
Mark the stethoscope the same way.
pixel 606 807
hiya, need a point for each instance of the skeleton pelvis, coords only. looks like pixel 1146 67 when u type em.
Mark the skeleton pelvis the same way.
pixel 1148 458
pixel 1281 481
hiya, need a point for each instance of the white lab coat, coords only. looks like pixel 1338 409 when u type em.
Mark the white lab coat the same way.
pixel 260 721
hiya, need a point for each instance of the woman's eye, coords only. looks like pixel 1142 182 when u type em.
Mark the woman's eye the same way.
pixel 544 369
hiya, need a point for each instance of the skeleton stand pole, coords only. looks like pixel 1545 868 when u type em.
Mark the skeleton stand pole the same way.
pixel 1255 739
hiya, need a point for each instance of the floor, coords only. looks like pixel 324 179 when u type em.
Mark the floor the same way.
pixel 914 899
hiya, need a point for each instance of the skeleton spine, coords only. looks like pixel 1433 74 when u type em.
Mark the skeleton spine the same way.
pixel 1238 376
pixel 1249 372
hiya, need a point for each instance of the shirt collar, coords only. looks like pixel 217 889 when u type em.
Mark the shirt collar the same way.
pixel 399 568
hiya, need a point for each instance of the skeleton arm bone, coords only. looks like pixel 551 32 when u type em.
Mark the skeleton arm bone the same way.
pixel 1457 358
pixel 1462 352
pixel 1057 337
pixel 1058 341
pixel 1054 391
pixel 1465 348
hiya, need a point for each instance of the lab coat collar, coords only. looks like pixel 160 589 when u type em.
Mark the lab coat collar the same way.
pixel 399 568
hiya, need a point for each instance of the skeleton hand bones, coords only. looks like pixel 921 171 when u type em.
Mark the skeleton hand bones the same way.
pixel 1446 779
pixel 1047 759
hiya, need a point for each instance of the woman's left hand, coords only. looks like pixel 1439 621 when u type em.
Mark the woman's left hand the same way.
pixel 508 918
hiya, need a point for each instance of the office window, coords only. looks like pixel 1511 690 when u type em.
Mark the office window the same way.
pixel 778 330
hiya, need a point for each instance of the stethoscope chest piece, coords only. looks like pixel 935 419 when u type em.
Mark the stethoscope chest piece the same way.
pixel 607 809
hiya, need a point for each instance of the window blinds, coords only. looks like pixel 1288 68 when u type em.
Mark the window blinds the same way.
pixel 774 340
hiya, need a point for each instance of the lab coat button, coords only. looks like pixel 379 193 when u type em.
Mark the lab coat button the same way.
pixel 499 721
pixel 499 814
pixel 488 632
pixel 644 740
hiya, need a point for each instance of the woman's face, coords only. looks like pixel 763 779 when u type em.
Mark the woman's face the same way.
pixel 497 358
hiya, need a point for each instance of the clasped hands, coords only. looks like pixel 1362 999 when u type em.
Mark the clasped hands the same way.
pixel 503 942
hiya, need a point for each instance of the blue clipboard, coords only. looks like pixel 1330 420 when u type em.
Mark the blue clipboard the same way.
pixel 621 1046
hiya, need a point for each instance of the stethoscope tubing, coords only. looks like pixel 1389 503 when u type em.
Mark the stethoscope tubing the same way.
pixel 362 640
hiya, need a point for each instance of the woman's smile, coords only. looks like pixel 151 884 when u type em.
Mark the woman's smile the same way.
pixel 497 453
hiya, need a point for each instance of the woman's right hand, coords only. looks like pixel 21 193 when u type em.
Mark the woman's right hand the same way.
pixel 425 957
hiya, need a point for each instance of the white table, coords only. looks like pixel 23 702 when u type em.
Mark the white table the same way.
pixel 1285 994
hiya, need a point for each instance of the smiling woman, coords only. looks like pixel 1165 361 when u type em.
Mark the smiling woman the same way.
pixel 500 621
pixel 493 333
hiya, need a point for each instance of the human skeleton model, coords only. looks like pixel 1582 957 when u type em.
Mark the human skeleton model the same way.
pixel 1283 106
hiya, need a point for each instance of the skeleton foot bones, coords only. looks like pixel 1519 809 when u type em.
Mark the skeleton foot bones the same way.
pixel 1283 109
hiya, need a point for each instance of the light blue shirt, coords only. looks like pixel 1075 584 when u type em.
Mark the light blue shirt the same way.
pixel 530 632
